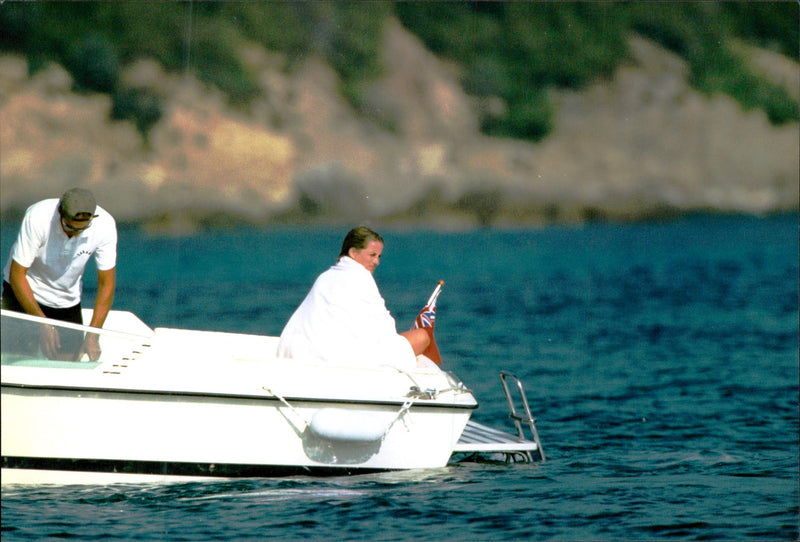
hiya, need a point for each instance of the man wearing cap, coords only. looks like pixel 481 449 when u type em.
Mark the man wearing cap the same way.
pixel 44 273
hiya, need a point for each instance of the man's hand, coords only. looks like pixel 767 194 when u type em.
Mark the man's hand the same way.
pixel 90 347
pixel 50 340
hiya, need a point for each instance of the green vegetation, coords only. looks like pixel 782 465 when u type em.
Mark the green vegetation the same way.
pixel 699 33
pixel 512 51
pixel 515 49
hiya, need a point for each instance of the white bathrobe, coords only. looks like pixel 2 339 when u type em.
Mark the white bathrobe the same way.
pixel 344 320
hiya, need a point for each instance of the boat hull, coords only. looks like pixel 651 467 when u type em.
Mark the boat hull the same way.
pixel 202 404
pixel 162 433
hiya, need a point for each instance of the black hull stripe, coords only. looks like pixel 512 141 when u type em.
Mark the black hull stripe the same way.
pixel 172 468
pixel 419 403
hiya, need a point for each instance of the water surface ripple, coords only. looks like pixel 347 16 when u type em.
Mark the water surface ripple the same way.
pixel 661 362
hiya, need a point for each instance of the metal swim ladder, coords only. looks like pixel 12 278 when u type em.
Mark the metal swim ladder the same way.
pixel 479 440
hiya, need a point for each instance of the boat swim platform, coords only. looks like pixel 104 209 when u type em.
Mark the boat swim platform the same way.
pixel 480 441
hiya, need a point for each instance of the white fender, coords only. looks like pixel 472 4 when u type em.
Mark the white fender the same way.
pixel 350 425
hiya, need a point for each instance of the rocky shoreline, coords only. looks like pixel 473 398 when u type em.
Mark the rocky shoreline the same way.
pixel 640 145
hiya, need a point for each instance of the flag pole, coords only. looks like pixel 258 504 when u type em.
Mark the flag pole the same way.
pixel 435 293
pixel 427 316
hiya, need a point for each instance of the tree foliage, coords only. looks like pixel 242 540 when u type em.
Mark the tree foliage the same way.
pixel 509 51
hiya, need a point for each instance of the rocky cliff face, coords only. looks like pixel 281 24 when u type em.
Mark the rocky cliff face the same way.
pixel 640 144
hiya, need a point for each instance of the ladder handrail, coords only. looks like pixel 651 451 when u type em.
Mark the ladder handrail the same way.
pixel 514 415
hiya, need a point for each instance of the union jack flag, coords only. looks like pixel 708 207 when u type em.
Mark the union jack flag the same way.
pixel 426 319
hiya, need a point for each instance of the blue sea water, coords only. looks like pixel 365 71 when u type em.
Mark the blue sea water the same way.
pixel 660 361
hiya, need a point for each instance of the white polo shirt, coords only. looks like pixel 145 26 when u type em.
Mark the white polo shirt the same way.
pixel 56 262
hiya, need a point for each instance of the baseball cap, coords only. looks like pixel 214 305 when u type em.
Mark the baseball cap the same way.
pixel 76 201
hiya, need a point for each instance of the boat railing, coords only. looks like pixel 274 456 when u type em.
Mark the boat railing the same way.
pixel 7 314
pixel 480 442
pixel 520 417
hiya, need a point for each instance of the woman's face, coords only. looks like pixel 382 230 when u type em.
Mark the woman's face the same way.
pixel 369 256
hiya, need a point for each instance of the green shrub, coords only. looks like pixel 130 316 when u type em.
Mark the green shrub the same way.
pixel 514 50
pixel 773 25
pixel 142 106
pixel 699 32
pixel 94 64
pixel 529 117
pixel 354 43
pixel 158 30
pixel 217 64
pixel 278 26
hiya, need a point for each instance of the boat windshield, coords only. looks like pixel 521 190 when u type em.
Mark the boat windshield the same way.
pixel 25 340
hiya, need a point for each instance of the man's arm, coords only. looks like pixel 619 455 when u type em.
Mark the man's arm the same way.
pixel 18 279
pixel 106 285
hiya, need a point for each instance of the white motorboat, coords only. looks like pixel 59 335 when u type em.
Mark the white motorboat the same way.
pixel 170 402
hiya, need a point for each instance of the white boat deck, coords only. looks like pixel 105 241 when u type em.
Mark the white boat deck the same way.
pixel 478 438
